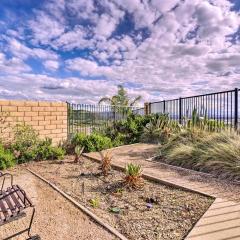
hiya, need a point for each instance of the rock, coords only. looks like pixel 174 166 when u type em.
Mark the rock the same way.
pixel 149 205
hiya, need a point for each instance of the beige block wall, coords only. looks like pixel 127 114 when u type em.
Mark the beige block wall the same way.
pixel 49 119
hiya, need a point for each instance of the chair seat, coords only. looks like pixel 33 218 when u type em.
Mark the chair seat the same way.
pixel 12 202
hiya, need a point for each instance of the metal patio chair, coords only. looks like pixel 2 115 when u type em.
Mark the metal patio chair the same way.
pixel 13 203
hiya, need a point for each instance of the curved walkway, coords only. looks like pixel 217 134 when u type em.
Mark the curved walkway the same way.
pixel 220 222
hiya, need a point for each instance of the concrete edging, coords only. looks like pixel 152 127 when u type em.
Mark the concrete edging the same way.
pixel 81 207
pixel 203 174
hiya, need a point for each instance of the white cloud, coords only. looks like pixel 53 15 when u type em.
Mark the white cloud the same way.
pixel 105 26
pixel 187 48
pixel 87 68
pixel 45 28
pixel 12 65
pixel 51 65
pixel 36 86
pixel 20 50
pixel 73 39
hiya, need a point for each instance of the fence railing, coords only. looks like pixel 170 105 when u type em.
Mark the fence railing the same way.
pixel 86 117
pixel 223 107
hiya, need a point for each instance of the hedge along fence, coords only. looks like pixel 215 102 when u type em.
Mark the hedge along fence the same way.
pixel 49 119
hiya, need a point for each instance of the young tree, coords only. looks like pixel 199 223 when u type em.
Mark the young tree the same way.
pixel 121 99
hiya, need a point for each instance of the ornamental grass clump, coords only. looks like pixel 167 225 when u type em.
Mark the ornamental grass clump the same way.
pixel 106 162
pixel 133 176
pixel 215 153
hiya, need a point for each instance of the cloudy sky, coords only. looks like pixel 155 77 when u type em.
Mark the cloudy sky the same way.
pixel 80 50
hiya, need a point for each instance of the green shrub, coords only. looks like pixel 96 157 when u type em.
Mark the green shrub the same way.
pixel 45 150
pixel 216 153
pixel 119 140
pixel 27 146
pixel 6 158
pixel 94 142
pixel 127 131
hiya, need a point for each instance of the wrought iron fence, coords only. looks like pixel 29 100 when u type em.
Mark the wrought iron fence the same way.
pixel 222 107
pixel 86 117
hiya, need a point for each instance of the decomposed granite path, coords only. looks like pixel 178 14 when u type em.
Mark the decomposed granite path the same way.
pixel 56 218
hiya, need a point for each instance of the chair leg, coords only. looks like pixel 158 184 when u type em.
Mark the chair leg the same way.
pixel 31 221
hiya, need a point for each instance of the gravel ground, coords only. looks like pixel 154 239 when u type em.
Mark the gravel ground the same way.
pixel 56 218
pixel 138 153
pixel 172 216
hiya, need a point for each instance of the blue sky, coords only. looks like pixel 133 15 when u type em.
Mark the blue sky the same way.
pixel 80 50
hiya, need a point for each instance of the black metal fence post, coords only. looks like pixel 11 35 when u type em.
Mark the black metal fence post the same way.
pixel 164 106
pixel 180 110
pixel 236 109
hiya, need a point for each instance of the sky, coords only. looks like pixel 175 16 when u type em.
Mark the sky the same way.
pixel 80 50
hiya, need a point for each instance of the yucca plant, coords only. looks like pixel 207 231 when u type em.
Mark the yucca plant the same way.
pixel 133 176
pixel 78 152
pixel 106 162
pixel 159 129
pixel 201 122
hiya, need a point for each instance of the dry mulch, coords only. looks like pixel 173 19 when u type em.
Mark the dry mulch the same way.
pixel 172 215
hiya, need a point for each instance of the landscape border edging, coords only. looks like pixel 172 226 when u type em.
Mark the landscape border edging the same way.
pixel 81 207
pixel 178 168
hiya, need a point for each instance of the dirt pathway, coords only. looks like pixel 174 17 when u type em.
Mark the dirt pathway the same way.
pixel 56 218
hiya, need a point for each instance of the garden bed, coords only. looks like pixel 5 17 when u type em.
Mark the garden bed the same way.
pixel 172 214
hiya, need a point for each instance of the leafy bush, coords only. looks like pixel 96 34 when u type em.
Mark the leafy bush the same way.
pixel 27 146
pixel 216 153
pixel 127 131
pixel 92 143
pixel 45 150
pixel 133 176
pixel 160 129
pixel 119 140
pixel 6 158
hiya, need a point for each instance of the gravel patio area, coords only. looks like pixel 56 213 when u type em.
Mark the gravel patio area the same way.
pixel 56 218
pixel 172 216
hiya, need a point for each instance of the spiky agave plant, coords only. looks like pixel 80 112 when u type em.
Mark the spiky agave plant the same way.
pixel 106 162
pixel 133 176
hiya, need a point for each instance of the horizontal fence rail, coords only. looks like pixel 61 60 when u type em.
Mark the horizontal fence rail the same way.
pixel 222 107
pixel 86 118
